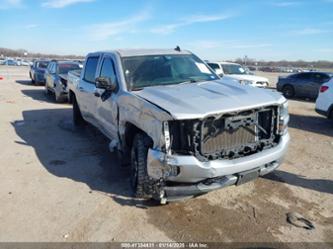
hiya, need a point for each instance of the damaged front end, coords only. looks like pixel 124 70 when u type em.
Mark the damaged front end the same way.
pixel 201 155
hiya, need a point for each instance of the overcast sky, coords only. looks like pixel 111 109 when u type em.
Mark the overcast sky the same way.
pixel 214 29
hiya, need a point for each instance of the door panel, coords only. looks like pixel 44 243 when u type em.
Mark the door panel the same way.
pixel 107 109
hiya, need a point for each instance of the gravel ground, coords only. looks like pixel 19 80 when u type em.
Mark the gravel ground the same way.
pixel 61 184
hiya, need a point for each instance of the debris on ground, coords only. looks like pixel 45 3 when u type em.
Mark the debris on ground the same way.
pixel 298 220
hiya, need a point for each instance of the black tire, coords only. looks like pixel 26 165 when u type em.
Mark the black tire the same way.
pixel 330 114
pixel 288 91
pixel 47 91
pixel 140 181
pixel 32 80
pixel 58 98
pixel 77 116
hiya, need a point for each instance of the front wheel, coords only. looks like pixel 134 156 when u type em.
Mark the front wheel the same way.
pixel 140 181
pixel 288 91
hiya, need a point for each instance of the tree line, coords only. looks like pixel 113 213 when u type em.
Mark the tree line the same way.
pixel 286 63
pixel 6 52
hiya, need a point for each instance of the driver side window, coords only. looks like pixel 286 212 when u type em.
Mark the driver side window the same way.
pixel 108 70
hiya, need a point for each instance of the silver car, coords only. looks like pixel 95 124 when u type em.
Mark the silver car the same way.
pixel 56 78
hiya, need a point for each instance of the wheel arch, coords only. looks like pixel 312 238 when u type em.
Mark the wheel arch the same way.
pixel 130 131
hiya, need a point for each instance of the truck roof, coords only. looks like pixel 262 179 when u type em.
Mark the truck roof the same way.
pixel 141 52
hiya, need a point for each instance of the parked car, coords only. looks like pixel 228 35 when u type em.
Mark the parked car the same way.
pixel 37 71
pixel 302 84
pixel 184 130
pixel 324 102
pixel 10 62
pixel 239 73
pixel 56 78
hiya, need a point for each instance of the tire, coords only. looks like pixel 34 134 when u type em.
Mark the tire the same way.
pixel 288 91
pixel 77 116
pixel 140 181
pixel 330 115
pixel 47 91
pixel 32 80
pixel 57 97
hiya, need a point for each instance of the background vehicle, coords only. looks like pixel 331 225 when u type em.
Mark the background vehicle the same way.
pixel 185 130
pixel 324 102
pixel 56 78
pixel 10 62
pixel 37 71
pixel 239 73
pixel 302 84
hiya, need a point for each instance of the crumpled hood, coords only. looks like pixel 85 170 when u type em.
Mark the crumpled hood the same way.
pixel 248 77
pixel 198 100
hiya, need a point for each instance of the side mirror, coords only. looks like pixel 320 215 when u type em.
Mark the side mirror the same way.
pixel 105 83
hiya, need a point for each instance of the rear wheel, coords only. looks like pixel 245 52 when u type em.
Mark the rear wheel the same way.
pixel 288 91
pixel 77 116
pixel 140 181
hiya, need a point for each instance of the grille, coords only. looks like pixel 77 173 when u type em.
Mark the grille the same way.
pixel 230 140
pixel 228 136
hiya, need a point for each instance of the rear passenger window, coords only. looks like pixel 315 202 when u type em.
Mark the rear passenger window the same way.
pixel 108 70
pixel 304 76
pixel 321 78
pixel 90 69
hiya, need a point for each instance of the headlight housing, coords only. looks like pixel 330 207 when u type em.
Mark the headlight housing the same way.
pixel 283 118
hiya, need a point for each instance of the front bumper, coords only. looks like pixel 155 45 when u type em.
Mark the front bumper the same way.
pixel 261 84
pixel 321 112
pixel 183 191
pixel 188 169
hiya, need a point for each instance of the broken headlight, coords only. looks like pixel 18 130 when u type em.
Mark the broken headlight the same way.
pixel 283 119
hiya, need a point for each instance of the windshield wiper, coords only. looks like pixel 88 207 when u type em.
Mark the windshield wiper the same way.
pixel 188 81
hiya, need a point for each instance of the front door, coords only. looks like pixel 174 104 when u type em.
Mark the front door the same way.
pixel 107 109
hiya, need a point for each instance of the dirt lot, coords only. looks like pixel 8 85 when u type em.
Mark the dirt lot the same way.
pixel 61 184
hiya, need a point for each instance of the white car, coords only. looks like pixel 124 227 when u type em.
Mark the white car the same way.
pixel 324 102
pixel 237 72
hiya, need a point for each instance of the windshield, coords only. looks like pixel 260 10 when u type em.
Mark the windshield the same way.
pixel 64 68
pixel 42 64
pixel 233 69
pixel 157 70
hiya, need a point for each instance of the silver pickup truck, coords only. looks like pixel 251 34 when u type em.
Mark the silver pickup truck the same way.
pixel 184 130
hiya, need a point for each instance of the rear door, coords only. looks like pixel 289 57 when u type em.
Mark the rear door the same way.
pixel 317 80
pixel 86 89
pixel 303 84
pixel 107 110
